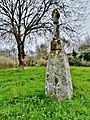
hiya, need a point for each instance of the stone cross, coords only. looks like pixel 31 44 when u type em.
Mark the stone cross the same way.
pixel 55 16
pixel 58 78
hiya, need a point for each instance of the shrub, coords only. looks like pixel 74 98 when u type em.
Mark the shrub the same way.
pixel 29 61
pixel 85 63
pixel 42 62
pixel 74 61
pixel 78 62
pixel 6 62
pixel 85 56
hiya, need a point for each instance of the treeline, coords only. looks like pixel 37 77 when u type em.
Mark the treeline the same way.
pixel 80 58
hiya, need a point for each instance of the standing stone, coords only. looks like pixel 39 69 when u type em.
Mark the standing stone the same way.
pixel 58 78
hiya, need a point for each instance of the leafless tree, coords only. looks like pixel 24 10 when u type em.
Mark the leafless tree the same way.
pixel 42 51
pixel 22 17
pixel 85 46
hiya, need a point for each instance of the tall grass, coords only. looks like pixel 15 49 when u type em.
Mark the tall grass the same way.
pixel 22 96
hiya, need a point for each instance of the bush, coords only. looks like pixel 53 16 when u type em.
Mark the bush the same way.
pixel 85 56
pixel 42 62
pixel 34 61
pixel 6 62
pixel 29 61
pixel 74 61
pixel 85 63
pixel 77 62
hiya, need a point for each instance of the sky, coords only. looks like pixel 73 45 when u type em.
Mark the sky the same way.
pixel 88 26
pixel 88 20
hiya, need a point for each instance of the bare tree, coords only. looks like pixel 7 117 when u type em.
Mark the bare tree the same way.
pixel 20 18
pixel 85 46
pixel 42 51
pixel 84 49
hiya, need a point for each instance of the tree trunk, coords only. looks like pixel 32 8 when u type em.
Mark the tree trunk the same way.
pixel 21 55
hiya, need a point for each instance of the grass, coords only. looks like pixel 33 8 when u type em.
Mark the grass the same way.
pixel 22 96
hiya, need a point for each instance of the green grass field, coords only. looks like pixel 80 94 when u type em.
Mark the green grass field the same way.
pixel 22 96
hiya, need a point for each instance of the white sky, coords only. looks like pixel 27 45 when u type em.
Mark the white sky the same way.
pixel 88 26
pixel 88 20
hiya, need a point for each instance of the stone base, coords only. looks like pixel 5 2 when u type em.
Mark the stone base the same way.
pixel 58 78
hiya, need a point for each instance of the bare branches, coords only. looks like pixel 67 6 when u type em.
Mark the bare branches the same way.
pixel 22 17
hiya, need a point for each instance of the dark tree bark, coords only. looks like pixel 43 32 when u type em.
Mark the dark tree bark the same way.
pixel 21 55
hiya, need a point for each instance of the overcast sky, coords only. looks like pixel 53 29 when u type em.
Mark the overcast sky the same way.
pixel 88 20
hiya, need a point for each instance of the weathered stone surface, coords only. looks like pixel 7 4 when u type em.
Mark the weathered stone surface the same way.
pixel 55 45
pixel 55 16
pixel 58 78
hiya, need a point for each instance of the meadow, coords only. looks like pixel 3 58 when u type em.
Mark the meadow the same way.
pixel 22 96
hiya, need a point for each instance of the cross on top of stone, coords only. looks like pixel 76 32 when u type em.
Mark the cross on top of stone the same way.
pixel 55 16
